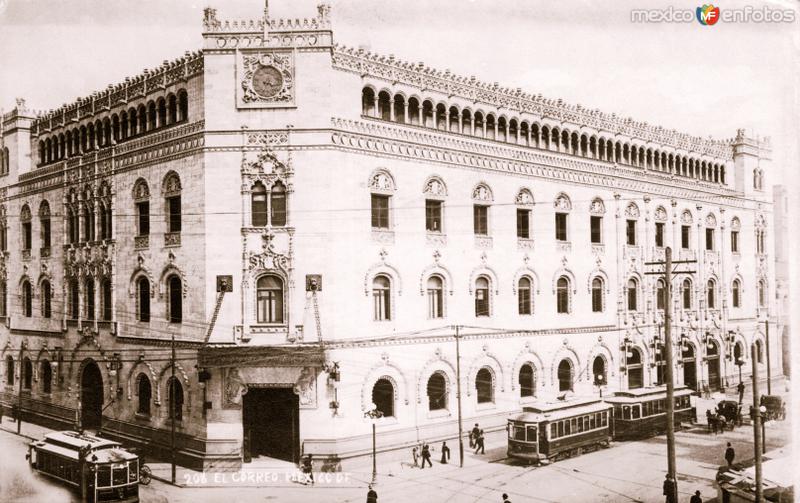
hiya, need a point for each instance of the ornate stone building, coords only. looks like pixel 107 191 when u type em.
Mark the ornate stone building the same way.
pixel 314 224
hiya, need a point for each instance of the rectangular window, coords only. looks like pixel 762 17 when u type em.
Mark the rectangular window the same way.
pixel 481 302
pixel 380 211
pixel 709 239
pixel 685 232
pixel 143 211
pixel 174 214
pixel 597 299
pixel 523 223
pixel 630 232
pixel 270 306
pixel 524 301
pixel 480 216
pixel 433 215
pixel 735 241
pixel 380 304
pixel 435 303
pixel 660 234
pixel 596 224
pixel 561 226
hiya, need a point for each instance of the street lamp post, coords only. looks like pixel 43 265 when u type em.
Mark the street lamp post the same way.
pixel 373 414
pixel 763 410
pixel 598 380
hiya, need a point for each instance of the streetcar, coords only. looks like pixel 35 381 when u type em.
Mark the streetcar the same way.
pixel 552 431
pixel 642 412
pixel 107 473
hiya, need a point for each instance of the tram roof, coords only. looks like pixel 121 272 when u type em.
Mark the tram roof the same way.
pixel 549 411
pixel 640 394
pixel 75 440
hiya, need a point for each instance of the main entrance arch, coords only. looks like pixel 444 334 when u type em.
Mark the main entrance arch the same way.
pixel 91 396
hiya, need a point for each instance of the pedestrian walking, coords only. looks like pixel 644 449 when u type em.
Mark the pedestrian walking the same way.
pixel 696 498
pixel 740 389
pixel 479 439
pixel 445 453
pixel 669 490
pixel 372 496
pixel 473 436
pixel 308 469
pixel 730 454
pixel 415 455
pixel 426 455
pixel 709 419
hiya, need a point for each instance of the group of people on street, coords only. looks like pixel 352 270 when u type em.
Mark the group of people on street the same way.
pixel 670 491
pixel 476 439
pixel 423 452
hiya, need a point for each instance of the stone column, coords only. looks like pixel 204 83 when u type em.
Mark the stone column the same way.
pixel 391 110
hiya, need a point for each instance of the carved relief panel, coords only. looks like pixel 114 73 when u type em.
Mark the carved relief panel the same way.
pixel 265 79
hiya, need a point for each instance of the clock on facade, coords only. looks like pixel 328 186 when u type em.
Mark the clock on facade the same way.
pixel 267 81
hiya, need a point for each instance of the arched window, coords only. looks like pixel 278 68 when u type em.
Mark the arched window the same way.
pixel 381 298
pixel 635 368
pixel 661 294
pixel 74 299
pixel 759 352
pixel 564 375
pixel 524 296
pixel 710 297
pixel 25 220
pixel 183 105
pixel 527 381
pixel 106 298
pixel 105 219
pixel 172 109
pixel 175 292
pixel 277 200
pixel 143 297
pixel 88 216
pixel 435 297
pixel 762 293
pixel 141 197
pixel 47 299
pixel 3 299
pixel 562 295
pixel 686 293
pixel 269 297
pixel 172 202
pixel 368 102
pixel 482 296
pixel 145 392
pixel 437 391
pixel 44 221
pixel 484 385
pixel 175 398
pixel 10 370
pixel 738 353
pixel 597 295
pixel 258 205
pixel 383 397
pixel 46 377
pixel 27 373
pixel 632 293
pixel 27 299
pixel 599 371
pixel 736 293
pixel 88 292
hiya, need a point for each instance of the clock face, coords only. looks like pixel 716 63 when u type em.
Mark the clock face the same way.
pixel 267 81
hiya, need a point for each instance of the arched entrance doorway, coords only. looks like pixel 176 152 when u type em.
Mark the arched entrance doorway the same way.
pixel 689 366
pixel 712 353
pixel 564 375
pixel 91 396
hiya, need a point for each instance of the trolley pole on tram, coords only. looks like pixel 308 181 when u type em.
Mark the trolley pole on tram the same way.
pixel 458 397
pixel 667 275
pixel 171 396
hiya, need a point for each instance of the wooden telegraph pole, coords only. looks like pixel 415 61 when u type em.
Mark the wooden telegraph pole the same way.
pixel 667 275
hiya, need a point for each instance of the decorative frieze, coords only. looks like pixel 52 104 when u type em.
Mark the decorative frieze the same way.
pixel 141 242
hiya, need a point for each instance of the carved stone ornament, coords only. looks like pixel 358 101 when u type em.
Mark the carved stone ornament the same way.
pixel 661 214
pixel 304 387
pixel 524 198
pixel 597 207
pixel 381 181
pixel 482 193
pixel 267 79
pixel 234 388
pixel 711 220
pixel 632 211
pixel 435 187
pixel 686 217
pixel 736 224
pixel 562 202
pixel 268 259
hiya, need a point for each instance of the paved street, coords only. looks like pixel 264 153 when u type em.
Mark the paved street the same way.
pixel 627 471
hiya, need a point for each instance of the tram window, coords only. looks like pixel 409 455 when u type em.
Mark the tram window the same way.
pixel 626 412
pixel 120 475
pixel 604 418
pixel 532 434
pixel 635 412
pixel 553 430
pixel 519 433
pixel 647 408
pixel 562 429
pixel 587 424
pixel 103 476
pixel 593 421
pixel 579 426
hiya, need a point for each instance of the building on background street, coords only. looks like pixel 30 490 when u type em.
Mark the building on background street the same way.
pixel 313 225
pixel 782 275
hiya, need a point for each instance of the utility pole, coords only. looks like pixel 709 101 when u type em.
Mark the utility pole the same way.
pixel 769 372
pixel 19 396
pixel 668 374
pixel 458 397
pixel 756 426
pixel 171 393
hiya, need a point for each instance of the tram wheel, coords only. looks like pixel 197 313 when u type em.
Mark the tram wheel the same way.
pixel 145 475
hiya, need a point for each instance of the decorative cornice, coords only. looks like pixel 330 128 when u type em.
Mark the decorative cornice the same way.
pixel 429 79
